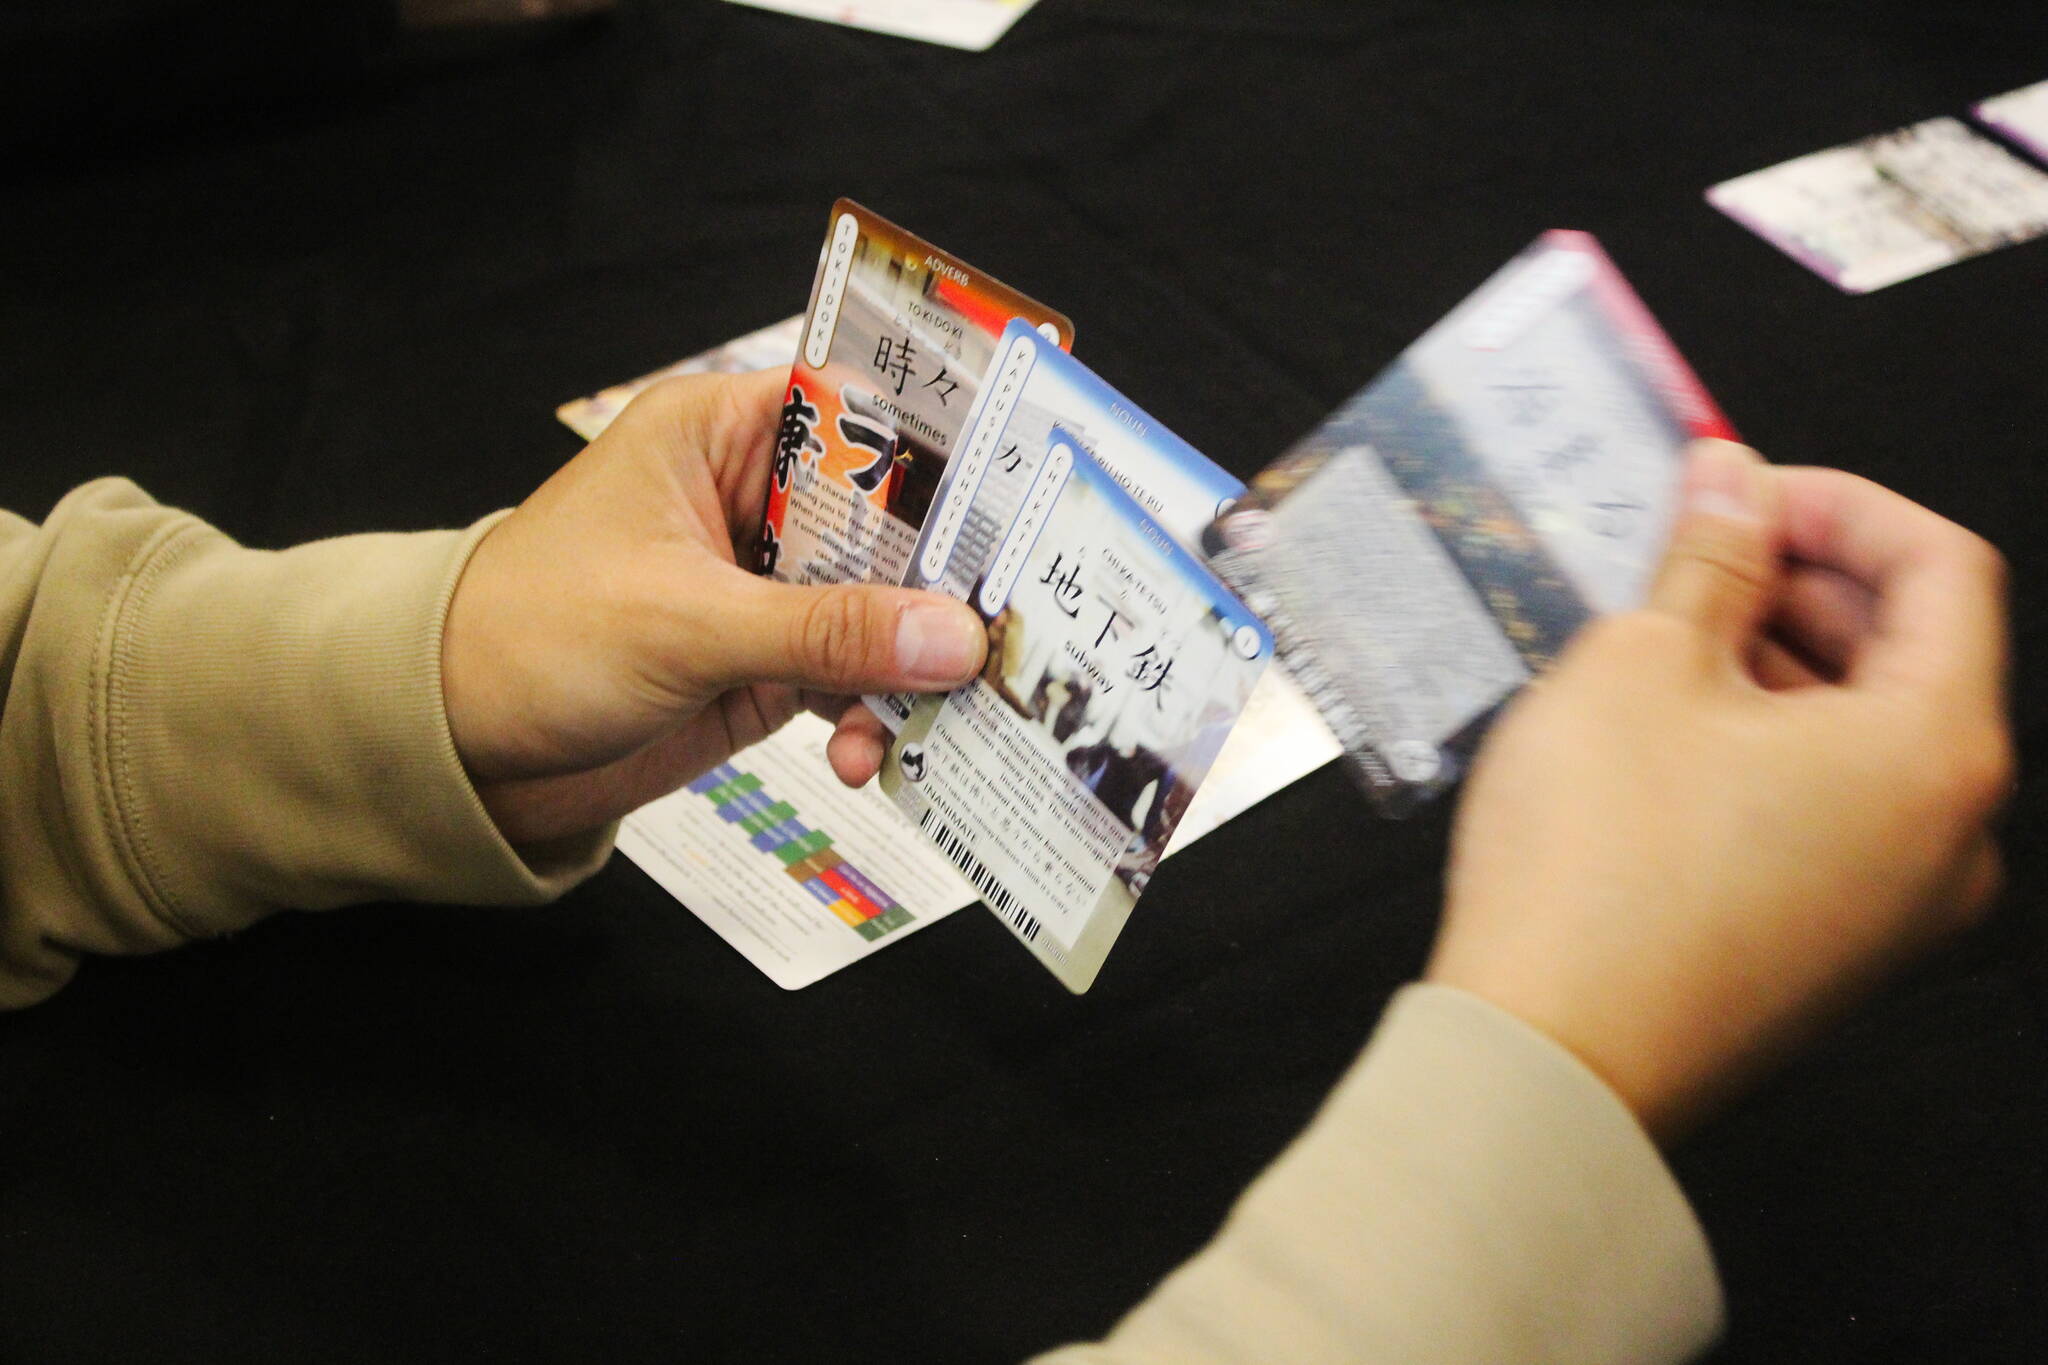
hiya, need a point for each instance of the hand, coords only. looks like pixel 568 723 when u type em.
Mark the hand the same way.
pixel 603 646
pixel 1721 818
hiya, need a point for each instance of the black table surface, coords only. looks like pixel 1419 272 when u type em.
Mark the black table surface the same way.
pixel 592 1131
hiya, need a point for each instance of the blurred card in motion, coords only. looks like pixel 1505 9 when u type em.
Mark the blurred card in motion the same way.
pixel 2021 115
pixel 1872 213
pixel 1438 540
pixel 887 372
pixel 773 347
pixel 1117 666
pixel 971 24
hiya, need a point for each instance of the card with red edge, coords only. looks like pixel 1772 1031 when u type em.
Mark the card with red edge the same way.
pixel 894 344
pixel 1438 540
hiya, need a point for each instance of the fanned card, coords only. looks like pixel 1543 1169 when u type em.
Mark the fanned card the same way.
pixel 894 344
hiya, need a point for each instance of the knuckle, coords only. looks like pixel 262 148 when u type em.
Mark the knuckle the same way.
pixel 1985 560
pixel 1729 551
pixel 832 637
pixel 1984 769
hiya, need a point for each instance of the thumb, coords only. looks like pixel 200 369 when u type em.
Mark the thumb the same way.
pixel 1721 567
pixel 844 639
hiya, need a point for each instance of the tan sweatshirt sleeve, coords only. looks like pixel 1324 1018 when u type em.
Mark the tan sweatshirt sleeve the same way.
pixel 1470 1194
pixel 193 734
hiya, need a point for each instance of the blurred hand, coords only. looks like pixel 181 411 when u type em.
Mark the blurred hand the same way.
pixel 1721 818
pixel 604 647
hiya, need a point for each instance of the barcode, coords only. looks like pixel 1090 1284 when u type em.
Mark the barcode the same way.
pixel 994 893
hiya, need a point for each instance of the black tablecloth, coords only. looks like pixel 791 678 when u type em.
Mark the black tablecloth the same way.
pixel 592 1131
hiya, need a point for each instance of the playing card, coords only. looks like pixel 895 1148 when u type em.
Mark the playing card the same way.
pixel 894 345
pixel 771 347
pixel 1872 213
pixel 1117 665
pixel 2021 115
pixel 971 24
pixel 1445 532
pixel 1031 387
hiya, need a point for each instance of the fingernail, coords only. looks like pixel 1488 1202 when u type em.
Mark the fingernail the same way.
pixel 939 644
pixel 1723 479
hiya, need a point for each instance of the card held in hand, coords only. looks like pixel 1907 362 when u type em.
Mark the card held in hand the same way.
pixel 1438 540
pixel 894 345
pixel 1117 666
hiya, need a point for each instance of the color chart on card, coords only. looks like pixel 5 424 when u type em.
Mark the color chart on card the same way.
pixel 806 855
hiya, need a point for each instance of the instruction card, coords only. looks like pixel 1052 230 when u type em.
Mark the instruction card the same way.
pixel 1885 209
pixel 1511 475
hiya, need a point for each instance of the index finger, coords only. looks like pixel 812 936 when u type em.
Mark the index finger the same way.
pixel 742 445
pixel 1938 589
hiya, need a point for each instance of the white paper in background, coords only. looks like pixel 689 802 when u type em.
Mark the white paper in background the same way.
pixel 1871 213
pixel 772 347
pixel 970 24
pixel 2021 115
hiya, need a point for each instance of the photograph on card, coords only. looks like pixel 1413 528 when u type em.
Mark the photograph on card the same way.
pixel 1117 666
pixel 1031 388
pixel 894 344
pixel 1444 534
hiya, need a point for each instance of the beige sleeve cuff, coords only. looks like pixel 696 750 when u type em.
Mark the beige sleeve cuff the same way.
pixel 226 731
pixel 1469 1193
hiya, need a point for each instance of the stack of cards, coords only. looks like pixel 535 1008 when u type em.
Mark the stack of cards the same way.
pixel 894 345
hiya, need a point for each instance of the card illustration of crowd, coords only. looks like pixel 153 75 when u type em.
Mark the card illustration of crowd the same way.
pixel 895 340
pixel 1510 476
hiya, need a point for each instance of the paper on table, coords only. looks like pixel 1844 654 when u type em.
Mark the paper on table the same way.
pixel 787 925
pixel 1872 213
pixel 2021 115
pixel 971 24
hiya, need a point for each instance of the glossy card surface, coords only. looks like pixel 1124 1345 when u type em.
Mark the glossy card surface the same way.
pixel 1438 540
pixel 894 344
pixel 1030 388
pixel 1117 665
